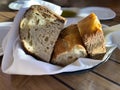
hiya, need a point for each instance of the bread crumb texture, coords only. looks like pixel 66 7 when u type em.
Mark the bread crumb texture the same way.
pixel 39 30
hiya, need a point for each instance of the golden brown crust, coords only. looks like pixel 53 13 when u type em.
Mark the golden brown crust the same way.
pixel 92 35
pixel 89 25
pixel 68 41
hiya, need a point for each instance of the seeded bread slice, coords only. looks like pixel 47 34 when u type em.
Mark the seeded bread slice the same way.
pixel 39 30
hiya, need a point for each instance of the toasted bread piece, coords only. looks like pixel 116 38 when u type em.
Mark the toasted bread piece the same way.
pixel 92 35
pixel 69 46
pixel 39 30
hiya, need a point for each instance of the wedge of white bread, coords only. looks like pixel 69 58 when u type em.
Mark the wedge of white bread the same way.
pixel 43 36
pixel 68 47
pixel 39 30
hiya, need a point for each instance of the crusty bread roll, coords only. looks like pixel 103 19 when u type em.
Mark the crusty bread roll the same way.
pixel 92 35
pixel 68 47
pixel 39 30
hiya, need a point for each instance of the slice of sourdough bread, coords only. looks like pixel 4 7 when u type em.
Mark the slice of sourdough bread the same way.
pixel 69 46
pixel 39 30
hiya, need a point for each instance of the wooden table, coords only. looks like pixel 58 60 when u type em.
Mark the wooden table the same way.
pixel 104 77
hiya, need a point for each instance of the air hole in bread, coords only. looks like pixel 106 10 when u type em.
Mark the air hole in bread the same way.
pixel 24 37
pixel 70 57
pixel 46 15
pixel 36 29
pixel 42 35
pixel 45 51
pixel 57 23
pixel 30 43
pixel 37 22
pixel 36 13
pixel 47 47
pixel 47 26
pixel 28 33
pixel 46 39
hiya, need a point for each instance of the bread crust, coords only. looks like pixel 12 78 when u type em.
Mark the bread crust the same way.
pixel 69 46
pixel 92 35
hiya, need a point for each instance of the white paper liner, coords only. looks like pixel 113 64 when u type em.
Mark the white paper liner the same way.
pixel 16 61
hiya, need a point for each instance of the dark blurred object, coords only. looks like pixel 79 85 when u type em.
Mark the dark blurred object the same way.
pixel 4 4
pixel 61 2
pixel 84 3
pixel 67 13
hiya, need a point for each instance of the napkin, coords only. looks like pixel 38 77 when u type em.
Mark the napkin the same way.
pixel 16 61
pixel 26 3
pixel 4 28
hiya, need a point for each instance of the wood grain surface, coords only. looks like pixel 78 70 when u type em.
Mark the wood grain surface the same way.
pixel 103 77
